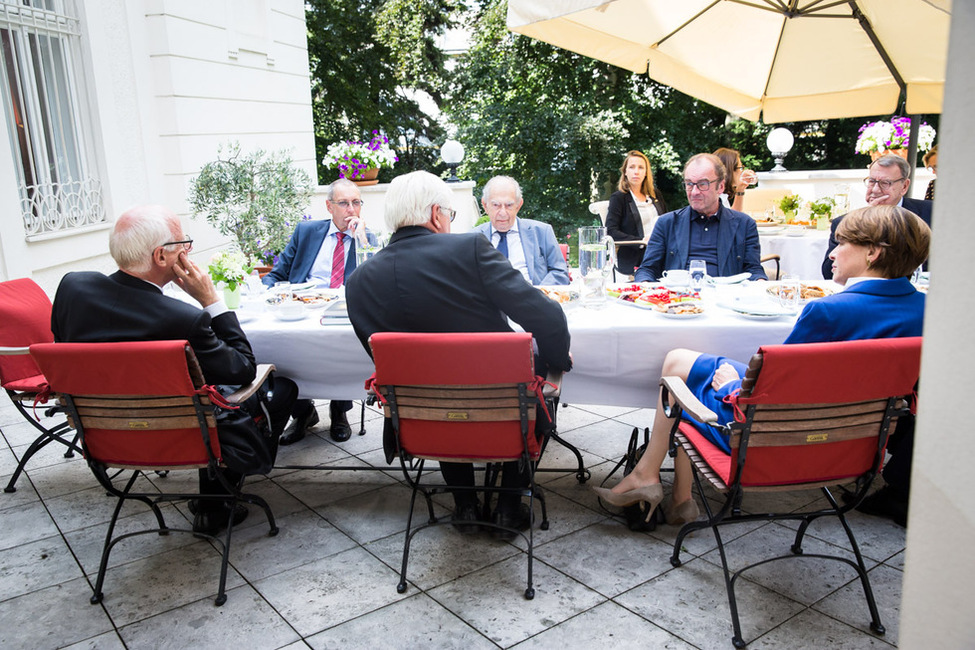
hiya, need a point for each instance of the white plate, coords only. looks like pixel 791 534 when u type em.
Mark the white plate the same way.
pixel 291 316
pixel 680 316
pixel 798 232
pixel 302 286
pixel 730 279
pixel 772 230
pixel 745 314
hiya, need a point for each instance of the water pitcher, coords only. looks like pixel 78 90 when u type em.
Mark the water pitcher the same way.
pixel 597 257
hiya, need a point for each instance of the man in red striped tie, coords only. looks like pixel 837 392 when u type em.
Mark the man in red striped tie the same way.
pixel 323 252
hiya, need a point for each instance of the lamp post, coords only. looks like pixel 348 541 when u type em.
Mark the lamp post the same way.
pixel 452 153
pixel 779 142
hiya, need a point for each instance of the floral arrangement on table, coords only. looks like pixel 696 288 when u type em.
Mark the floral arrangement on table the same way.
pixel 881 136
pixel 822 208
pixel 353 158
pixel 789 205
pixel 230 267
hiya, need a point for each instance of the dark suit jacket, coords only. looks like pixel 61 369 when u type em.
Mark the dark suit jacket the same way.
pixel 918 207
pixel 623 223
pixel 297 258
pixel 738 247
pixel 92 307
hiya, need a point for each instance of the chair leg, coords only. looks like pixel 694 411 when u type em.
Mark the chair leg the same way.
pixel 47 436
pixel 362 418
pixel 97 594
pixel 401 587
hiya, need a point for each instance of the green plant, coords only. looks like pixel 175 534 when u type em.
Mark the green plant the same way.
pixel 789 204
pixel 352 158
pixel 256 199
pixel 822 208
pixel 229 267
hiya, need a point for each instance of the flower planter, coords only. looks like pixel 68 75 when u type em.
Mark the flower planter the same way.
pixel 232 297
pixel 897 152
pixel 368 177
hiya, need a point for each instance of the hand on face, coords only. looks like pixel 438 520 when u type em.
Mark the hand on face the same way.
pixel 191 279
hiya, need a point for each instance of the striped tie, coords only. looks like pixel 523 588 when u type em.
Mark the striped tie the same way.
pixel 338 263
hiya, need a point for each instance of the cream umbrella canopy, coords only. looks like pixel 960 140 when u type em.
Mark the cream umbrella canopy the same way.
pixel 779 60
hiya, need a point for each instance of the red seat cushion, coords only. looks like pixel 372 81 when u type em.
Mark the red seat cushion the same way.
pixel 32 384
pixel 25 319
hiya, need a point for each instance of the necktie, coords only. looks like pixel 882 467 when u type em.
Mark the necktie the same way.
pixel 338 263
pixel 503 243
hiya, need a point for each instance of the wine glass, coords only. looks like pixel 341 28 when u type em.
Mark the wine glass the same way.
pixel 790 290
pixel 698 269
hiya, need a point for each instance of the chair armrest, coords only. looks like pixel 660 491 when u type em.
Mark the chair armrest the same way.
pixel 264 370
pixel 681 394
pixel 770 257
pixel 13 352
pixel 554 377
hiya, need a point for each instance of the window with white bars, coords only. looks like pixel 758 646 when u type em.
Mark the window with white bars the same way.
pixel 47 118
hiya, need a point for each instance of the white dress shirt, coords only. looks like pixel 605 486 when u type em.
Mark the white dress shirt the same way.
pixel 516 252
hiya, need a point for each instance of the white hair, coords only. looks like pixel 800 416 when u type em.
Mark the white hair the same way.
pixel 499 180
pixel 410 198
pixel 336 184
pixel 137 233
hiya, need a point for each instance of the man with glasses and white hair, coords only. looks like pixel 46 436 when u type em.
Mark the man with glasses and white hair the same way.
pixel 727 240
pixel 323 252
pixel 887 182
pixel 423 282
pixel 151 250
pixel 529 245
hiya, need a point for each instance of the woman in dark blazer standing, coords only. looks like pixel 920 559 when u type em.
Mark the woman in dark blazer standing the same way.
pixel 633 208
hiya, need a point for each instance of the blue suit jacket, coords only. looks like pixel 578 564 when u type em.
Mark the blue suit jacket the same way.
pixel 917 206
pixel 738 247
pixel 542 252
pixel 295 262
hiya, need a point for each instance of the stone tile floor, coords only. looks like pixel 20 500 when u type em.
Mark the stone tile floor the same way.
pixel 329 578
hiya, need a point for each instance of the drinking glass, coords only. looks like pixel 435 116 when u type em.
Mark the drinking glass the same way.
pixel 698 269
pixel 597 257
pixel 367 245
pixel 790 291
pixel 282 291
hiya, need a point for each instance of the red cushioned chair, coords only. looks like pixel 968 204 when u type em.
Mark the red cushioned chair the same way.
pixel 464 397
pixel 144 406
pixel 808 416
pixel 25 318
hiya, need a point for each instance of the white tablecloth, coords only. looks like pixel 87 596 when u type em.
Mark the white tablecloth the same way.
pixel 802 256
pixel 618 351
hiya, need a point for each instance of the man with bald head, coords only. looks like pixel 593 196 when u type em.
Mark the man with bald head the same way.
pixel 151 249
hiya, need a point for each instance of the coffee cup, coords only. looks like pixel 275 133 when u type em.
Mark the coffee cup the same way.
pixel 677 277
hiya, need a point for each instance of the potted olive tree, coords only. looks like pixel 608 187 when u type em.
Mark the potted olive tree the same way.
pixel 256 199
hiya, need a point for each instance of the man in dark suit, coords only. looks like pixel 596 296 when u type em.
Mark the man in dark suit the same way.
pixel 151 250
pixel 888 179
pixel 727 240
pixel 422 282
pixel 529 245
pixel 322 252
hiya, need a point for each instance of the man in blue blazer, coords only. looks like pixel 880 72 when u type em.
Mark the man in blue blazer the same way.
pixel 887 181
pixel 727 240
pixel 309 257
pixel 529 245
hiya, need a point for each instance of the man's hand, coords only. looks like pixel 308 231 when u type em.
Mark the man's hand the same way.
pixel 194 281
pixel 725 373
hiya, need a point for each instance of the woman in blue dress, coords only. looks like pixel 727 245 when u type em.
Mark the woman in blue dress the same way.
pixel 879 247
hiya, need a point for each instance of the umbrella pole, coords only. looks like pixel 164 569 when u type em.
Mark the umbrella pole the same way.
pixel 912 144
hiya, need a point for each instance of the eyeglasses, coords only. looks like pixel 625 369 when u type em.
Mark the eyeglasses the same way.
pixel 450 213
pixel 187 243
pixel 345 204
pixel 884 184
pixel 497 205
pixel 703 186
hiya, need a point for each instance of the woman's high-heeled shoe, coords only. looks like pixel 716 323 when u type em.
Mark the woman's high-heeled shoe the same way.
pixel 683 513
pixel 651 494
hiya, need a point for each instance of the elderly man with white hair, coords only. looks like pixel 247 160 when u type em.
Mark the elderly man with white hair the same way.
pixel 424 282
pixel 529 245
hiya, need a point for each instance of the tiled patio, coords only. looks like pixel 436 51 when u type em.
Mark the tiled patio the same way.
pixel 329 578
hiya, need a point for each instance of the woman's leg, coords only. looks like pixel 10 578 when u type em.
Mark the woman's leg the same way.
pixel 677 363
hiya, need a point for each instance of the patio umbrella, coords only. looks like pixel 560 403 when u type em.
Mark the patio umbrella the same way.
pixel 781 60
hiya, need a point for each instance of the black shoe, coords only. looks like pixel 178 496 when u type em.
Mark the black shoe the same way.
pixel 300 427
pixel 519 519
pixel 465 518
pixel 339 429
pixel 211 522
pixel 884 503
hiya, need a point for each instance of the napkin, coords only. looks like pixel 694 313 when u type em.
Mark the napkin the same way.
pixel 731 279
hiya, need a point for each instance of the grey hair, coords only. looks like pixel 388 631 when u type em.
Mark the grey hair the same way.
pixel 489 186
pixel 410 198
pixel 893 160
pixel 337 183
pixel 137 233
pixel 719 168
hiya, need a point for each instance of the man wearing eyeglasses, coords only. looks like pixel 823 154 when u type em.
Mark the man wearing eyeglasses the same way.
pixel 151 249
pixel 727 240
pixel 529 245
pixel 322 252
pixel 888 179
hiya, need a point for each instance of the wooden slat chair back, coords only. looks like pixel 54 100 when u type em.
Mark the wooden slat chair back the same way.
pixel 458 397
pixel 807 416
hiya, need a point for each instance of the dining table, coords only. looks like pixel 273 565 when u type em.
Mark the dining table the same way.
pixel 618 348
pixel 801 250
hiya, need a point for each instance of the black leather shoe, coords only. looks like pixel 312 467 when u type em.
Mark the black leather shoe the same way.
pixel 339 429
pixel 300 427
pixel 519 519
pixel 211 522
pixel 465 519
pixel 884 503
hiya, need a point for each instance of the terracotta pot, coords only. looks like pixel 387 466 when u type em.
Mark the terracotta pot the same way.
pixel 897 152
pixel 367 177
pixel 262 270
